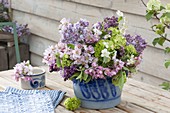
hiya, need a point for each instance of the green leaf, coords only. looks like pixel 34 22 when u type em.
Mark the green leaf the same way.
pixel 85 76
pixel 162 7
pixel 71 46
pixel 58 62
pixel 132 69
pixel 155 41
pixel 120 18
pixel 120 80
pixel 75 75
pixel 167 14
pixel 165 85
pixel 125 68
pixel 149 15
pixel 80 76
pixel 88 79
pixel 106 60
pixel 167 63
pixel 167 50
pixel 161 41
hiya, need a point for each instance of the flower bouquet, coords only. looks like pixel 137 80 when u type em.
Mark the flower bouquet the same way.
pixel 98 59
pixel 6 31
pixel 31 77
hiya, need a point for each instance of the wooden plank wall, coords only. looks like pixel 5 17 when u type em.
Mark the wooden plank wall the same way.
pixel 43 17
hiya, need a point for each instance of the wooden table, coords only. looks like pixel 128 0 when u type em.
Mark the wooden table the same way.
pixel 137 97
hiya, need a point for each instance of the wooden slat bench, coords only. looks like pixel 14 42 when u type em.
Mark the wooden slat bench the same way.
pixel 137 97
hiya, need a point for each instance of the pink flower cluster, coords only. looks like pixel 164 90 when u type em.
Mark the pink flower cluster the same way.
pixel 99 71
pixel 23 69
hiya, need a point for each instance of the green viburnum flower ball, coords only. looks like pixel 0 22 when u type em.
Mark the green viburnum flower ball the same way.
pixel 154 5
pixel 72 103
pixel 130 49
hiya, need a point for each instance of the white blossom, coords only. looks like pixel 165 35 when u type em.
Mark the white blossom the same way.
pixel 105 53
pixel 106 44
pixel 131 60
pixel 119 13
pixel 97 32
pixel 107 36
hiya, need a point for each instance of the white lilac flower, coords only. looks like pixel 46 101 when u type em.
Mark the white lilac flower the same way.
pixel 106 44
pixel 21 69
pixel 105 53
pixel 50 55
pixel 65 21
pixel 131 61
pixel 107 36
pixel 154 5
pixel 114 56
pixel 119 13
pixel 123 26
pixel 76 53
pixel 97 32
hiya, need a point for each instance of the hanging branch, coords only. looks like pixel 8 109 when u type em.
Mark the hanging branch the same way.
pixel 156 16
pixel 143 3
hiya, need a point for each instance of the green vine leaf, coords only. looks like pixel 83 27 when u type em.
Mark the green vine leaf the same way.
pixel 149 15
pixel 167 50
pixel 167 63
pixel 165 85
pixel 159 41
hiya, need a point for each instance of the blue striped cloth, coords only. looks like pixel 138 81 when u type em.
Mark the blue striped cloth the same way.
pixel 13 100
pixel 25 103
pixel 56 96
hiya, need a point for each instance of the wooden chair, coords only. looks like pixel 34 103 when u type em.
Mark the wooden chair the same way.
pixel 12 24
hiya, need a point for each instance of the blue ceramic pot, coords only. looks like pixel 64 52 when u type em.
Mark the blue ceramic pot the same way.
pixel 38 79
pixel 97 94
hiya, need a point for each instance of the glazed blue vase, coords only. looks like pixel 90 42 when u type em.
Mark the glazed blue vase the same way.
pixel 38 79
pixel 97 94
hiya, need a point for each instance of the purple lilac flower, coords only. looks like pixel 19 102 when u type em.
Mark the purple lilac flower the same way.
pixel 5 3
pixel 110 22
pixel 95 72
pixel 138 42
pixel 69 71
pixel 121 51
pixel 21 69
pixel 118 65
pixel 22 30
pixel 97 25
pixel 138 60
pixel 53 67
pixel 91 38
pixel 82 55
pixel 74 33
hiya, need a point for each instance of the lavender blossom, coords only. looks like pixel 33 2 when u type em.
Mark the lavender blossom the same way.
pixel 95 72
pixel 22 30
pixel 74 33
pixel 69 71
pixel 5 3
pixel 138 42
pixel 110 22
